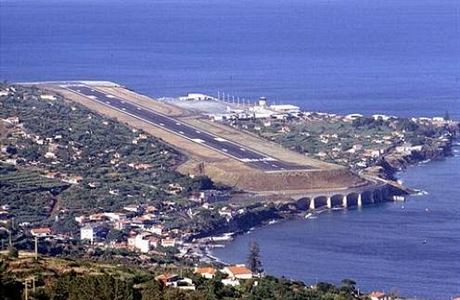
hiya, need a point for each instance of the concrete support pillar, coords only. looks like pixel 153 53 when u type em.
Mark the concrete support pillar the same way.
pixel 360 200
pixel 329 202
pixel 312 203
pixel 379 195
pixel 344 201
pixel 385 194
pixel 371 197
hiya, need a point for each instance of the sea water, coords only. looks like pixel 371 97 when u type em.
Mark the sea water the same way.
pixel 399 57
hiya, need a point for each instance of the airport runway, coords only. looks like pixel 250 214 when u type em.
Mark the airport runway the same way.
pixel 184 130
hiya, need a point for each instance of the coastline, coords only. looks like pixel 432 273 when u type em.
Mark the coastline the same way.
pixel 286 215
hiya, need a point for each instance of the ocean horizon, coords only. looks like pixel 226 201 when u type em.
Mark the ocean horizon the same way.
pixel 359 56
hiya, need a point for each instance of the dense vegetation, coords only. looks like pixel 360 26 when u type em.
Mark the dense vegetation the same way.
pixel 113 164
pixel 357 142
pixel 61 280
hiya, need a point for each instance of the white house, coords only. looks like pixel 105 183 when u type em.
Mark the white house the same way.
pixel 237 272
pixel 87 233
pixel 206 272
pixel 168 242
pixel 41 232
pixel 145 242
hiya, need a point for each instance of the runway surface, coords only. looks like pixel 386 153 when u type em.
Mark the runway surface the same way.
pixel 184 130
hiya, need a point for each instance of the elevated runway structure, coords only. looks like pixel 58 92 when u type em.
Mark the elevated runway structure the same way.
pixel 224 146
pixel 235 158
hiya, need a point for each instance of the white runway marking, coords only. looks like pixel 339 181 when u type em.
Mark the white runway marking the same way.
pixel 92 97
pixel 123 102
pixel 242 149
pixel 139 108
pixel 219 139
pixel 107 102
pixel 162 124
pixel 177 123
pixel 181 132
pixel 197 131
pixel 274 166
pixel 110 96
pixel 225 150
pixel 123 109
pixel 266 162
pixel 198 141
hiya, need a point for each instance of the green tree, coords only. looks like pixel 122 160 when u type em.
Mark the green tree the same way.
pixel 13 252
pixel 254 262
pixel 446 116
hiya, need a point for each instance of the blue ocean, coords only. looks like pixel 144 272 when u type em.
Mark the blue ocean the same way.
pixel 399 57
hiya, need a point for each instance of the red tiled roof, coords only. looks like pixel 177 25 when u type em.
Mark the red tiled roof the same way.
pixel 209 270
pixel 238 270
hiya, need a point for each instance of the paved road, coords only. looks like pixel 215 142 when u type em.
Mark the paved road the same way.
pixel 175 126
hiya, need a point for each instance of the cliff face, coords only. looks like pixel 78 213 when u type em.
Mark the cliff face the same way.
pixel 394 162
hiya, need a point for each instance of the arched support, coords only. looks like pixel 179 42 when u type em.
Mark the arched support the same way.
pixel 329 202
pixel 360 200
pixel 344 201
pixel 312 204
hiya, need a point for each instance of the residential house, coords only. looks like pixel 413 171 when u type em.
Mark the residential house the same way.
pixel 87 233
pixel 238 272
pixel 41 232
pixel 206 272
pixel 376 295
pixel 168 242
pixel 173 280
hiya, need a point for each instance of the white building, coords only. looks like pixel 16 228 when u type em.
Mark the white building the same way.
pixel 87 233
pixel 197 97
pixel 285 108
pixel 156 229
pixel 237 272
pixel 48 97
pixel 145 242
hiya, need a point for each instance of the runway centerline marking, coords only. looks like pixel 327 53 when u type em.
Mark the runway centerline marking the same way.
pixel 219 139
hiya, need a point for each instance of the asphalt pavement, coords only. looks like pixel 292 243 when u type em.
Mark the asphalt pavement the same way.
pixel 229 148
